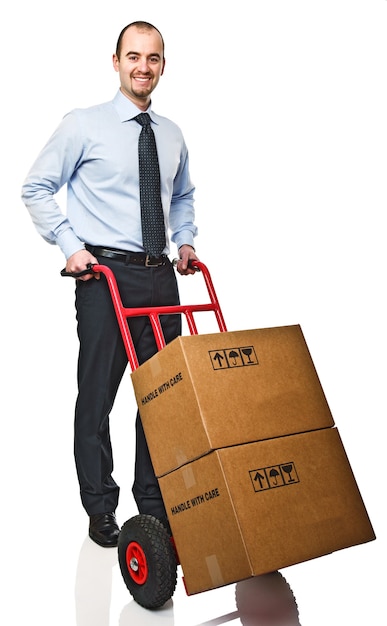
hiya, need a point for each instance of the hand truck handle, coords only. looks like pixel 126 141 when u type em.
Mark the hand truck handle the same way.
pixel 153 313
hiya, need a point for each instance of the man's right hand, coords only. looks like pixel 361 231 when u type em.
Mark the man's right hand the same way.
pixel 79 261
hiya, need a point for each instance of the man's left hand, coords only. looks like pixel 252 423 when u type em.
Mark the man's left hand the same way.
pixel 186 254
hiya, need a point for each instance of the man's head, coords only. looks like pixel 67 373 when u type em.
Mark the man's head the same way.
pixel 139 60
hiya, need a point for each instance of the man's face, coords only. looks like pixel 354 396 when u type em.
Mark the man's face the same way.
pixel 140 65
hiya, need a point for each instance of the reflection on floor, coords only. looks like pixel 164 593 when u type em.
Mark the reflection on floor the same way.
pixel 261 601
pixel 266 599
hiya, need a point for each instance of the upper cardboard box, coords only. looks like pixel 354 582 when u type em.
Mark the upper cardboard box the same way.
pixel 204 392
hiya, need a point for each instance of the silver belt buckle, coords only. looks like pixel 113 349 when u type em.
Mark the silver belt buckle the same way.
pixel 148 261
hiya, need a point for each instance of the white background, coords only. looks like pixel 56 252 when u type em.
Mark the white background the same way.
pixel 283 107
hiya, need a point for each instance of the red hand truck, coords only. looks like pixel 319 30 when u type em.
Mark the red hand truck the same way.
pixel 147 554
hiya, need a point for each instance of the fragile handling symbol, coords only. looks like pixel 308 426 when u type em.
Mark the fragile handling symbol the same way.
pixel 274 476
pixel 288 469
pixel 230 358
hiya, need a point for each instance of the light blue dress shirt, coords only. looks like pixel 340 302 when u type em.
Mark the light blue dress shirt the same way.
pixel 95 152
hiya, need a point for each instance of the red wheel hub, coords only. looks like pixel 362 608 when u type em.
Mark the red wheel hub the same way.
pixel 136 563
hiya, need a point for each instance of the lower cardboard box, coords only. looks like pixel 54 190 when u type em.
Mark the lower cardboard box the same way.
pixel 250 509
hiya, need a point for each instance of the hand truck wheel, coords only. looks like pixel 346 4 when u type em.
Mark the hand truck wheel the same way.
pixel 147 561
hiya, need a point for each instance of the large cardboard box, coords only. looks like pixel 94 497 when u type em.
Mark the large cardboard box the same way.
pixel 204 392
pixel 247 510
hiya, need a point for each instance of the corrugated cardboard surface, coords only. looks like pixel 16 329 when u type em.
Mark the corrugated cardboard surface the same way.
pixel 250 509
pixel 204 392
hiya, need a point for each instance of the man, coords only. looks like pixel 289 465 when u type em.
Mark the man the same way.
pixel 94 152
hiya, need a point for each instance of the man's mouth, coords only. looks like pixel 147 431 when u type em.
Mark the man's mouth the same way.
pixel 142 79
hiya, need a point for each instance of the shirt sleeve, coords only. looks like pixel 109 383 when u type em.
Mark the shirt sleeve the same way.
pixel 182 212
pixel 52 169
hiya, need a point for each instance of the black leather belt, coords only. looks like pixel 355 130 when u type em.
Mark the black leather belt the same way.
pixel 137 258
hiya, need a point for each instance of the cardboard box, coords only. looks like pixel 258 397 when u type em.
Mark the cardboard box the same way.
pixel 204 392
pixel 251 509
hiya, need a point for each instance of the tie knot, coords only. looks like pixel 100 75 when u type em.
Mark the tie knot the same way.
pixel 143 119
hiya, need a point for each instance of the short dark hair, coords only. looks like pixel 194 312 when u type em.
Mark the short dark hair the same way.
pixel 141 26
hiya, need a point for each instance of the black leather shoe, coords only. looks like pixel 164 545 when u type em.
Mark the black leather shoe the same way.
pixel 104 530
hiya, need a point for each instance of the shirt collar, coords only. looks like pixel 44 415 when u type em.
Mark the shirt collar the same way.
pixel 126 109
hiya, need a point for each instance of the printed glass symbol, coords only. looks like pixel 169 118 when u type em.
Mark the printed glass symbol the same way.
pixel 288 469
pixel 247 352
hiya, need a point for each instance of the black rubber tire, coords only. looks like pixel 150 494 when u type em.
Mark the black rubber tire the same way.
pixel 147 561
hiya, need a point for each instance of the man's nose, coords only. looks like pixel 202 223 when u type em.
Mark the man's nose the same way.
pixel 143 65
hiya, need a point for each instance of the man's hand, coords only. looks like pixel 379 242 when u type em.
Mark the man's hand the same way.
pixel 79 261
pixel 186 254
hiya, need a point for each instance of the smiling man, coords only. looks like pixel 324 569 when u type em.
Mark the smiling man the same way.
pixel 95 152
pixel 139 60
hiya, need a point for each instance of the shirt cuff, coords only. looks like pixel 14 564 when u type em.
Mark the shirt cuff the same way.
pixel 184 238
pixel 69 243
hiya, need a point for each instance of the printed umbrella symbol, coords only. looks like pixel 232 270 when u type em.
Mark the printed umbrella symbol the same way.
pixel 234 355
pixel 273 474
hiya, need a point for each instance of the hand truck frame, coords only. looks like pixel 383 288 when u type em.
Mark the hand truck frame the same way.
pixel 147 554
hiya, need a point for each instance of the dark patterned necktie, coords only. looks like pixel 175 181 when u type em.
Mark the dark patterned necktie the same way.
pixel 152 216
